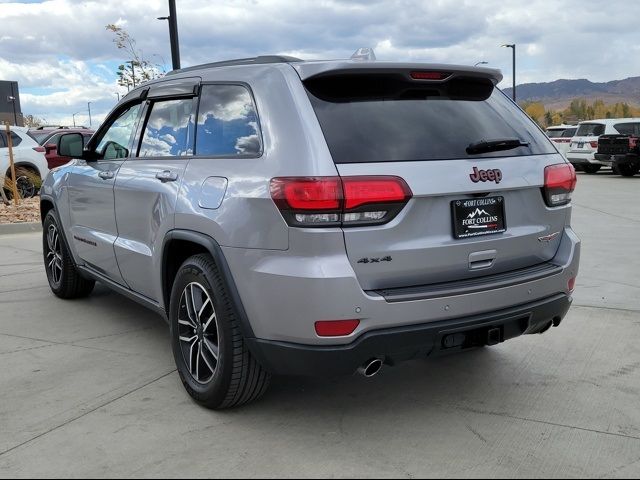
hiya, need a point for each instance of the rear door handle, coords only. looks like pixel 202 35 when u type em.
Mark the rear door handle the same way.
pixel 167 176
pixel 106 175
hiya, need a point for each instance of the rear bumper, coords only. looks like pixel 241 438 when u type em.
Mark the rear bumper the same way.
pixel 585 159
pixel 607 159
pixel 405 343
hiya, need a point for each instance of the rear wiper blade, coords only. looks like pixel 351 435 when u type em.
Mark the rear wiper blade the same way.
pixel 496 145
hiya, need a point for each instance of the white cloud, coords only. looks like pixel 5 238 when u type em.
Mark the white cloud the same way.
pixel 63 57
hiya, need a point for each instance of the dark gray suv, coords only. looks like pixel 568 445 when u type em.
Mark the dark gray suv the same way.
pixel 316 218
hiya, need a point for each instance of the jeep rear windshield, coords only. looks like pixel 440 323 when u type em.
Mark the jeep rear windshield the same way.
pixel 387 118
pixel 590 130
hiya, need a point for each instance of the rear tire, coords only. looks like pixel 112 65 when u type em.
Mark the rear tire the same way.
pixel 64 279
pixel 591 169
pixel 28 183
pixel 628 170
pixel 212 358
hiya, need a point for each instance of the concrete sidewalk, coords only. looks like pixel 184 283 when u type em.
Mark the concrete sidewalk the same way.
pixel 88 387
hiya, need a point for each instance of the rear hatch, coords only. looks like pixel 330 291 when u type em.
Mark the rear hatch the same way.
pixel 622 142
pixel 586 138
pixel 476 208
pixel 613 144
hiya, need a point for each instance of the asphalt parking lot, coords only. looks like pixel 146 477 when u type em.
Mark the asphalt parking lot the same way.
pixel 88 388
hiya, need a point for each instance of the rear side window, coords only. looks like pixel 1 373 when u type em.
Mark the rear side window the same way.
pixel 15 139
pixel 628 128
pixel 227 123
pixel 590 130
pixel 168 131
pixel 569 132
pixel 384 118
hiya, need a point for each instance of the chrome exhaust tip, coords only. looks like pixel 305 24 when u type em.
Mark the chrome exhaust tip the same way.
pixel 370 368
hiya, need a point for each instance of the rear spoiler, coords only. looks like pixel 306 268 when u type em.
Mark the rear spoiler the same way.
pixel 309 70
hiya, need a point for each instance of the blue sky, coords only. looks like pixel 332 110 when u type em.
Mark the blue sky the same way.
pixel 62 56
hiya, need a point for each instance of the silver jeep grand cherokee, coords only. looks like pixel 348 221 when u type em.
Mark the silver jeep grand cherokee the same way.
pixel 316 218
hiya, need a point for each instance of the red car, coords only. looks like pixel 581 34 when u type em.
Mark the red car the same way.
pixel 50 145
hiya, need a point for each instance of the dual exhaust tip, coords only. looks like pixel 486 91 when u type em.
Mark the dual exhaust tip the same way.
pixel 370 368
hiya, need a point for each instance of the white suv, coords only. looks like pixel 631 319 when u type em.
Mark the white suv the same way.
pixel 584 145
pixel 561 135
pixel 30 162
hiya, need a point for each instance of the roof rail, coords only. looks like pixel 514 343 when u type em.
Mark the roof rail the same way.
pixel 264 59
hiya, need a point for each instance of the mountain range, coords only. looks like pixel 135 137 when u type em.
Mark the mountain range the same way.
pixel 558 94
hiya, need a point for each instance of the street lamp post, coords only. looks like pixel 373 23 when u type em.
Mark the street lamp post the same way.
pixel 481 63
pixel 513 47
pixel 173 34
pixel 74 118
pixel 89 108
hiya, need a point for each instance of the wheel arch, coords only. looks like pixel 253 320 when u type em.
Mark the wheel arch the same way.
pixel 178 246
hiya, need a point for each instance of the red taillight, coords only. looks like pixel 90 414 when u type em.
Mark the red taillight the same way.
pixel 571 284
pixel 430 75
pixel 40 149
pixel 321 193
pixel 559 182
pixel 633 142
pixel 360 191
pixel 339 201
pixel 336 328
pixel 594 144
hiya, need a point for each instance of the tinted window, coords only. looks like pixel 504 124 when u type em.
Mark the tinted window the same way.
pixel 555 133
pixel 116 140
pixel 169 130
pixel 227 122
pixel 39 137
pixel 569 132
pixel 590 130
pixel 628 128
pixel 386 119
pixel 16 140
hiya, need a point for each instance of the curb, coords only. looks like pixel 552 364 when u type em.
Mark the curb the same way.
pixel 25 227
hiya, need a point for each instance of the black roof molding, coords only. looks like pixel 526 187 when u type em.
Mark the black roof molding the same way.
pixel 265 59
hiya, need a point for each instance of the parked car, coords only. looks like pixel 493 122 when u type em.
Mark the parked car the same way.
pixel 584 145
pixel 561 135
pixel 51 146
pixel 42 133
pixel 28 157
pixel 621 150
pixel 316 218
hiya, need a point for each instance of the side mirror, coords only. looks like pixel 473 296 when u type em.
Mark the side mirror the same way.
pixel 50 147
pixel 71 145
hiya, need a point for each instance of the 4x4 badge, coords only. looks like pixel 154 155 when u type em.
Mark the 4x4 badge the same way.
pixel 548 238
pixel 494 175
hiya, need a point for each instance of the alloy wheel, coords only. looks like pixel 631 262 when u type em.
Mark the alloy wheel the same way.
pixel 54 255
pixel 198 332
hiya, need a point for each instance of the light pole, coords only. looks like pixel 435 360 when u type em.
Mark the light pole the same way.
pixel 89 108
pixel 118 94
pixel 173 34
pixel 513 47
pixel 74 118
pixel 480 63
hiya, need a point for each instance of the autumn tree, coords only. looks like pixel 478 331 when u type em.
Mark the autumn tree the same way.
pixel 32 121
pixel 535 110
pixel 137 69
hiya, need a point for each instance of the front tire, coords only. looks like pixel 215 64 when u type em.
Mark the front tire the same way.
pixel 591 169
pixel 64 279
pixel 213 361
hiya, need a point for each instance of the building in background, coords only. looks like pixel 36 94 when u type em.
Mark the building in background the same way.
pixel 10 104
